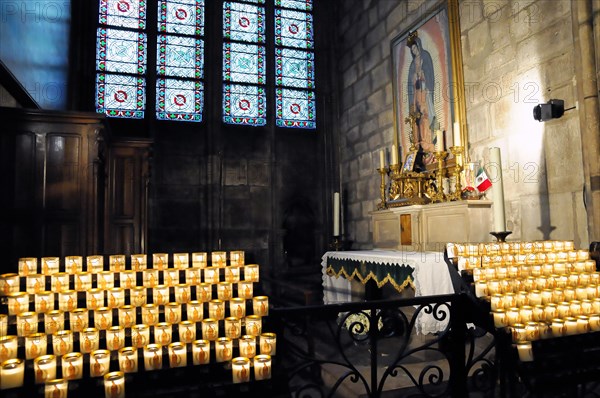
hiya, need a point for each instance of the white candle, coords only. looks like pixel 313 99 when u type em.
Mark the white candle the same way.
pixel 114 385
pixel 498 192
pixel 44 368
pixel 99 363
pixel 177 355
pixel 262 367
pixel 456 134
pixel 439 141
pixel 336 214
pixel 394 155
pixel 381 159
pixel 12 373
pixel 201 352
pixel 153 357
pixel 240 367
pixel 56 388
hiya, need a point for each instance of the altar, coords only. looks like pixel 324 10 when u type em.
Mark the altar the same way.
pixel 426 272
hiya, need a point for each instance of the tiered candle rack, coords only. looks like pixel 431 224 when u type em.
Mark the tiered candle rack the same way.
pixel 129 318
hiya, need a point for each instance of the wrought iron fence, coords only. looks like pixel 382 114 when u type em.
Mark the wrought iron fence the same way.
pixel 336 350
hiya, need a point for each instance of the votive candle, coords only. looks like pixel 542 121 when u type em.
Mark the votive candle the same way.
pixel 44 302
pixel 204 292
pixel 160 261
pixel 224 291
pixel 268 344
pixel 138 262
pixel 232 274
pixel 116 262
pixel 140 335
pixel 194 311
pixel 50 265
pixel 177 355
pixel 115 297
pixel 67 300
pixel 103 318
pixel 73 264
pixel 9 283
pixel 260 305
pixel 218 258
pixel 89 340
pixel 128 361
pixel 44 368
pixel 216 309
pixel 181 260
pixel 245 290
pixel 27 266
pixel 105 280
pixel 237 307
pixel 95 299
pixel 236 257
pixel 253 325
pixel 163 333
pixel 36 283
pixel 153 357
pixel 193 276
pixel 62 342
pixel 173 312
pixel 240 367
pixel 210 329
pixel 115 338
pixel 95 264
pixel 83 281
pixel 72 366
pixel 35 345
pixel 247 346
pixel 187 331
pixel 233 327
pixel 99 363
pixel 171 276
pixel 114 385
pixel 201 352
pixel 27 323
pixel 56 388
pixel 127 279
pixel 199 259
pixel 137 296
pixel 223 349
pixel 150 277
pixel 59 282
pixel 12 373
pixel 18 303
pixel 8 347
pixel 127 316
pixel 251 273
pixel 262 367
pixel 211 275
pixel 160 294
pixel 182 293
pixel 150 314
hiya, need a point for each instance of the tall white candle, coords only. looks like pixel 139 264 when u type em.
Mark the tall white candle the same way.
pixel 336 214
pixel 381 159
pixel 498 192
pixel 439 140
pixel 394 155
pixel 456 134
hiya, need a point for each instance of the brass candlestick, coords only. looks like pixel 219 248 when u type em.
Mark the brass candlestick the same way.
pixel 438 195
pixel 456 172
pixel 383 204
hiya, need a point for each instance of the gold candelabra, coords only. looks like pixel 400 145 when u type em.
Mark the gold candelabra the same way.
pixel 383 204
pixel 438 193
pixel 456 173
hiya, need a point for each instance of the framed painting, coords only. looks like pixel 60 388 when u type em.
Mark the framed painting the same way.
pixel 428 83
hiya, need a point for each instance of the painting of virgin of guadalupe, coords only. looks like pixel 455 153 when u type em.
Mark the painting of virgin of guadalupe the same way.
pixel 423 88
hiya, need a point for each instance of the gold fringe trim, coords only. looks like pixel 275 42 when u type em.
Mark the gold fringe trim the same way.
pixel 364 279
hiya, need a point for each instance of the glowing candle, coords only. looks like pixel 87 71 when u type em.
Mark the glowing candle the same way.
pixel 253 325
pixel 105 280
pixel 187 331
pixel 211 275
pixel 245 290
pixel 99 363
pixel 62 342
pixel 224 291
pixel 153 357
pixel 115 297
pixel 439 141
pixel 218 258
pixel 73 264
pixel 233 327
pixel 103 318
pixel 138 262
pixel 36 283
pixel 116 262
pixel 150 314
pixel 232 274
pixel 127 279
pixel 72 366
pixel 128 361
pixel 237 307
pixel 127 316
pixel 260 305
pixel 114 385
pixel 223 349
pixel 251 272
pixel 525 352
pixel 182 293
pixel 236 257
pixel 8 347
pixel 570 325
pixel 95 264
pixel 160 261
pixel 216 309
pixel 95 299
pixel 35 345
pixel 199 259
pixel 160 294
pixel 44 302
pixel 115 338
pixel 27 323
pixel 268 344
pixel 27 266
pixel 247 346
pixel 150 278
pixel 50 265
pixel 171 276
pixel 12 373
pixel 89 340
pixel 204 292
pixel 177 355
pixel 44 368
pixel 56 388
pixel 18 303
pixel 83 281
pixel 67 300
pixel 201 352
pixel 262 367
pixel 163 333
pixel 9 284
pixel 336 214
pixel 193 276
pixel 60 282
pixel 210 329
pixel 498 192
pixel 194 311
pixel 137 296
pixel 140 335
pixel 3 325
pixel 240 367
pixel 181 260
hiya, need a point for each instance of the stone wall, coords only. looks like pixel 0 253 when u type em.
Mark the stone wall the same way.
pixel 516 54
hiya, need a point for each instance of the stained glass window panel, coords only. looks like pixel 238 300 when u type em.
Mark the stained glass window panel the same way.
pixel 243 22
pixel 305 5
pixel 295 108
pixel 120 96
pixel 179 100
pixel 244 105
pixel 180 56
pixel 181 16
pixel 293 29
pixel 243 63
pixel 121 51
pixel 125 13
pixel 294 68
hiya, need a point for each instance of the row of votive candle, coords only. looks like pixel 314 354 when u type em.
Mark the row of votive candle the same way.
pixel 83 281
pixel 584 282
pixel 517 247
pixel 547 269
pixel 150 314
pixel 474 262
pixel 116 297
pixel 117 263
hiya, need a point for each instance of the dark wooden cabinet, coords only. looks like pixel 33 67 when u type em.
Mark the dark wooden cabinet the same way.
pixel 51 183
pixel 126 210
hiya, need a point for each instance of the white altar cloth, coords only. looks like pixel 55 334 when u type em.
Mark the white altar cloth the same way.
pixel 430 277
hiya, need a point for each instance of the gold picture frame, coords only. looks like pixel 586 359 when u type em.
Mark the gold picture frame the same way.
pixel 409 161
pixel 428 81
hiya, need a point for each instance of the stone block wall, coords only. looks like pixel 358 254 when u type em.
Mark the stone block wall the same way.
pixel 516 54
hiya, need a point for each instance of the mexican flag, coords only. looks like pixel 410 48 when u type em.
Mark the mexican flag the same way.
pixel 482 182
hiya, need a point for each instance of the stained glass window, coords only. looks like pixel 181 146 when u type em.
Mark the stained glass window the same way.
pixel 244 62
pixel 182 16
pixel 121 51
pixel 179 100
pixel 123 13
pixel 120 95
pixel 295 108
pixel 180 56
pixel 244 105
pixel 294 65
pixel 293 29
